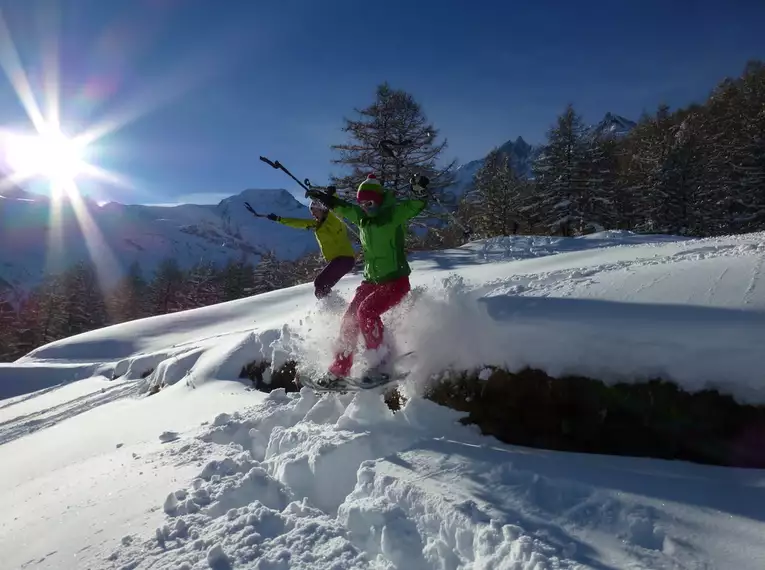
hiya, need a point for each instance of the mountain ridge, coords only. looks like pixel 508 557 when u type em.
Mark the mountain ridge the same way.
pixel 147 234
pixel 187 232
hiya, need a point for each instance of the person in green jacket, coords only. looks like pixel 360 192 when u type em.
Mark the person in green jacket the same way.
pixel 334 244
pixel 382 230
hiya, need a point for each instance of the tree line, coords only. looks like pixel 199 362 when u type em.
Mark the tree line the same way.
pixel 696 171
pixel 75 301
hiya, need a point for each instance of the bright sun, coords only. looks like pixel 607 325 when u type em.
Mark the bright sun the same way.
pixel 49 153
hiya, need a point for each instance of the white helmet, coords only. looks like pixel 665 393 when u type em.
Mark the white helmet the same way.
pixel 317 205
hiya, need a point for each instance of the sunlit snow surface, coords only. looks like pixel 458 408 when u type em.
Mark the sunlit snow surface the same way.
pixel 211 474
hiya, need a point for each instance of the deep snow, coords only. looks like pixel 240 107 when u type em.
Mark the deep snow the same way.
pixel 208 473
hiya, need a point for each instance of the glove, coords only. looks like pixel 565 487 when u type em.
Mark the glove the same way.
pixel 331 190
pixel 273 217
pixel 322 197
pixel 421 181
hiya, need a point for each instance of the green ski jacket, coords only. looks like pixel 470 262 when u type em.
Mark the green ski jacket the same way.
pixel 382 235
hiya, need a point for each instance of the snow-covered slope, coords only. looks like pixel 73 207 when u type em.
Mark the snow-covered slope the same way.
pixel 116 234
pixel 210 474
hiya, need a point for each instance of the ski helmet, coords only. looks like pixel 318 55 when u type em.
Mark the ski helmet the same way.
pixel 317 205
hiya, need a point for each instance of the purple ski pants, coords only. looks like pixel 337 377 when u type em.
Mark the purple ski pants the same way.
pixel 331 274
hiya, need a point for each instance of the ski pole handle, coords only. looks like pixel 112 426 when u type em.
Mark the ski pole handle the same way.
pixel 271 163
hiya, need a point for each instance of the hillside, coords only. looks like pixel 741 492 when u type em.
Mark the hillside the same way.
pixel 208 473
pixel 117 234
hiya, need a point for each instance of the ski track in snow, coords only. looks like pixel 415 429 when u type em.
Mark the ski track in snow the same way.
pixel 24 424
pixel 753 282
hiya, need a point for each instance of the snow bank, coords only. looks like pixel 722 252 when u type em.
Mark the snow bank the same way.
pixel 692 313
pixel 302 481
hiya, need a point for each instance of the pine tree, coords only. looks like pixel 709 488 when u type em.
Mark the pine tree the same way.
pixel 270 274
pixel 306 268
pixel 43 307
pixel 203 286
pixel 166 288
pixel 238 279
pixel 84 307
pixel 610 204
pixel 128 300
pixel 649 180
pixel 8 324
pixel 498 193
pixel 564 200
pixel 30 327
pixel 682 177
pixel 745 151
pixel 394 116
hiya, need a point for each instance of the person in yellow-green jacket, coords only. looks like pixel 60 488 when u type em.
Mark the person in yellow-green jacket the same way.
pixel 334 243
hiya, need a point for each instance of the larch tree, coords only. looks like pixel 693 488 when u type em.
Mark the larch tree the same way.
pixel 498 197
pixel 393 139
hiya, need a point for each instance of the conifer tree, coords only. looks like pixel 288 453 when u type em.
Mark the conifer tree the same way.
pixel 394 116
pixel 165 289
pixel 498 195
pixel 238 279
pixel 564 193
pixel 128 300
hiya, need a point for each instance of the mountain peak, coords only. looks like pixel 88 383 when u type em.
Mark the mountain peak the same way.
pixel 270 199
pixel 614 124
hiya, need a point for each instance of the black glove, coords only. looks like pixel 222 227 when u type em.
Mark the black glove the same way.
pixel 273 217
pixel 421 181
pixel 322 197
pixel 331 190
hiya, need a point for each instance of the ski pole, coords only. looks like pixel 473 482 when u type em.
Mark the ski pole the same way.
pixel 279 166
pixel 253 212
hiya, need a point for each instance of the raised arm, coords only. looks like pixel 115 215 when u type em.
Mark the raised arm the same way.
pixel 342 208
pixel 298 223
pixel 408 209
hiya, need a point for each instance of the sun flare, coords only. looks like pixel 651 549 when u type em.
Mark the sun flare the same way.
pixel 49 154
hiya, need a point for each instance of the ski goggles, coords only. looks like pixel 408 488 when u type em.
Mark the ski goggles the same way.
pixel 369 206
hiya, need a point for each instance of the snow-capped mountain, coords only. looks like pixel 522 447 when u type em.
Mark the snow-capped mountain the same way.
pixel 35 238
pixel 522 154
pixel 615 125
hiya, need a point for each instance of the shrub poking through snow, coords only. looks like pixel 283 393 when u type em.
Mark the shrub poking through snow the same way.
pixel 284 377
pixel 266 380
pixel 573 413
pixel 650 419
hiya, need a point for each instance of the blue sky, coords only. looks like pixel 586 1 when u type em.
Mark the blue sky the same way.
pixel 206 87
